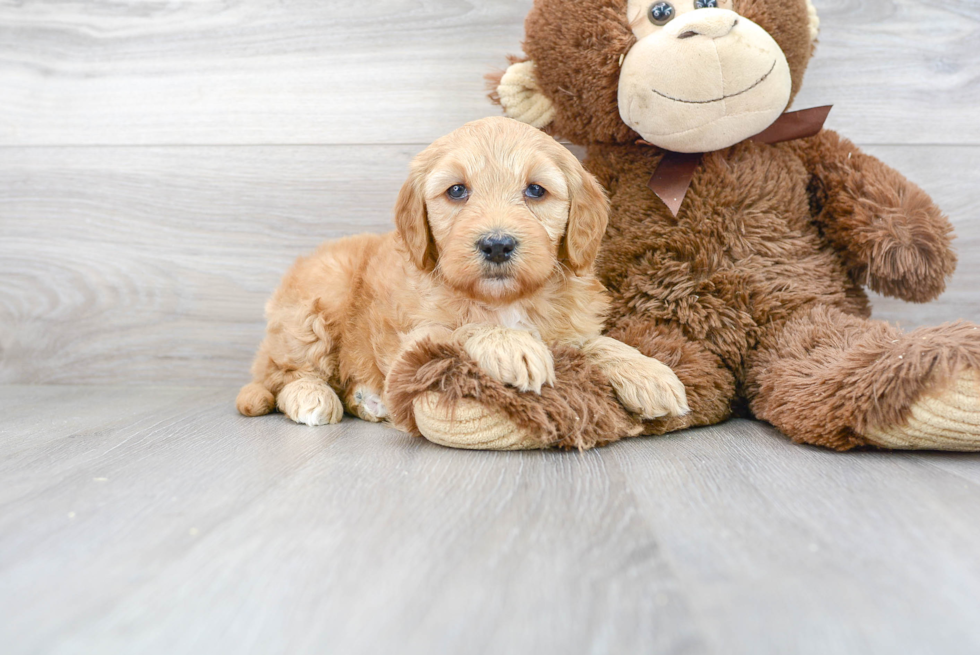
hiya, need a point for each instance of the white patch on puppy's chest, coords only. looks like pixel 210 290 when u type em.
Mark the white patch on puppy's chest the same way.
pixel 513 317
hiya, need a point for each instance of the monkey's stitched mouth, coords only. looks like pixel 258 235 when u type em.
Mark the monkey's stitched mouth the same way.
pixel 732 95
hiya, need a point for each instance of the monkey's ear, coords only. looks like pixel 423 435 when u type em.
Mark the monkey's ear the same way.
pixel 412 224
pixel 588 215
pixel 814 21
pixel 519 93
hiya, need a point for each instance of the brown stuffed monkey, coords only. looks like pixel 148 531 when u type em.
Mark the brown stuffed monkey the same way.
pixel 741 268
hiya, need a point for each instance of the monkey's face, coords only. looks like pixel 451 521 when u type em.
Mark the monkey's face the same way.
pixel 686 75
pixel 700 77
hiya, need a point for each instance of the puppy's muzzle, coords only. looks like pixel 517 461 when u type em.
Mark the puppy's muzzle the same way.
pixel 497 248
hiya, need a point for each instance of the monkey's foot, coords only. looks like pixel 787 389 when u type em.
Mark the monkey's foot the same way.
pixel 438 391
pixel 947 419
pixel 469 424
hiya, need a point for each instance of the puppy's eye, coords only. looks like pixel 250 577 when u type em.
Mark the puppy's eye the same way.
pixel 457 192
pixel 661 13
pixel 705 4
pixel 534 191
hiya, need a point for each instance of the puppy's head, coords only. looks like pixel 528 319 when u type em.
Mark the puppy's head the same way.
pixel 497 208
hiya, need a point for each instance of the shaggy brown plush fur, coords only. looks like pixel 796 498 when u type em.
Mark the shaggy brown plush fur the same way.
pixel 826 377
pixel 580 411
pixel 754 247
pixel 753 292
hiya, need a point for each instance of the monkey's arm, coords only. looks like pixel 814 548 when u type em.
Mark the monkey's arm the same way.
pixel 891 235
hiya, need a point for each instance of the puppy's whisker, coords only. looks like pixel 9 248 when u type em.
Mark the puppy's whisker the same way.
pixel 561 272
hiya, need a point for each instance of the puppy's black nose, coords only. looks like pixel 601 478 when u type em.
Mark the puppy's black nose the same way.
pixel 497 248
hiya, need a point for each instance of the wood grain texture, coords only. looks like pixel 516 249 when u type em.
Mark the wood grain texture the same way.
pixel 148 264
pixel 152 265
pixel 156 520
pixel 220 72
pixel 400 71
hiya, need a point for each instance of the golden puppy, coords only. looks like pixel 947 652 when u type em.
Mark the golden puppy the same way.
pixel 497 229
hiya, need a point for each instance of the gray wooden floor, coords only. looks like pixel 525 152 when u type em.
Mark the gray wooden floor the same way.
pixel 156 520
pixel 162 163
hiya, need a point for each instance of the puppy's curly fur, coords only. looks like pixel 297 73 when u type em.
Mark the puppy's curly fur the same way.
pixel 344 315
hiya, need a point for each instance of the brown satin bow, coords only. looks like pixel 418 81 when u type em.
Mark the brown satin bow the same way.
pixel 675 171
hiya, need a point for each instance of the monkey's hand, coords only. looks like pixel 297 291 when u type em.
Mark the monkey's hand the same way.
pixel 890 234
pixel 905 246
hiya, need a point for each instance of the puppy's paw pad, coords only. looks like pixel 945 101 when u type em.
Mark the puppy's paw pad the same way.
pixel 310 402
pixel 369 406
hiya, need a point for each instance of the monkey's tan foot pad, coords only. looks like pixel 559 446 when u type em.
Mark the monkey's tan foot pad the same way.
pixel 468 424
pixel 437 391
pixel 946 420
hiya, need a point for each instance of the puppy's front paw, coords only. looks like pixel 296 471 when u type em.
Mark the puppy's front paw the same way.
pixel 514 357
pixel 650 389
pixel 644 385
pixel 311 402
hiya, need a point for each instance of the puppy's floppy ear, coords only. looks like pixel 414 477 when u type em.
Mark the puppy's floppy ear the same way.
pixel 412 223
pixel 588 214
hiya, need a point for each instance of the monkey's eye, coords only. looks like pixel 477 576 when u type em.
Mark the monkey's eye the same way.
pixel 458 192
pixel 534 191
pixel 661 13
pixel 705 4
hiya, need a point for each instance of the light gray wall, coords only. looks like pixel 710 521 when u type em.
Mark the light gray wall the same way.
pixel 161 164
